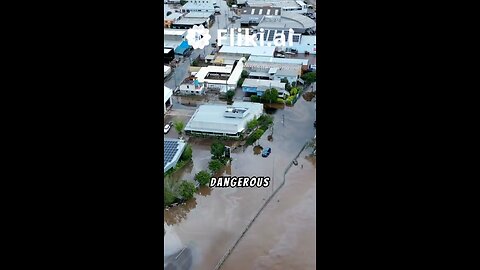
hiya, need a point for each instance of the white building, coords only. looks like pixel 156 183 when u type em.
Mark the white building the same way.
pixel 295 6
pixel 192 88
pixel 222 78
pixel 273 71
pixel 223 120
pixel 258 87
pixel 198 6
pixel 167 99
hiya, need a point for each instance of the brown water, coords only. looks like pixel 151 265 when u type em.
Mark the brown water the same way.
pixel 283 236
pixel 212 222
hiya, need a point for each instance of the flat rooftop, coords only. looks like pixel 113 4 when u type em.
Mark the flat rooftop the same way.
pixel 210 118
pixel 198 14
pixel 264 59
pixel 174 32
pixel 190 21
pixel 268 11
pixel 263 84
pixel 261 51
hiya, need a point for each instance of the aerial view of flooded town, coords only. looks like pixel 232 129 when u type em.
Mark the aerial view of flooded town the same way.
pixel 240 134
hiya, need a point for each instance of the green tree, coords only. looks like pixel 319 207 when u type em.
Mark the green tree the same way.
pixel 252 123
pixel 203 177
pixel 240 82
pixel 215 165
pixel 270 95
pixel 170 190
pixel 244 74
pixel 187 153
pixel 179 125
pixel 217 149
pixel 257 134
pixel 230 94
pixel 310 77
pixel 265 120
pixel 183 2
pixel 187 189
pixel 294 91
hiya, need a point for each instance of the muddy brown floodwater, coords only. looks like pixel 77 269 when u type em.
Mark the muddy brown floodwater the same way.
pixel 283 236
pixel 214 220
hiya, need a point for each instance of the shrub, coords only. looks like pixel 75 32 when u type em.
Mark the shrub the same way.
pixel 280 100
pixel 240 82
pixel 187 153
pixel 215 165
pixel 310 77
pixel 179 125
pixel 270 95
pixel 187 189
pixel 203 177
pixel 252 124
pixel 294 91
pixel 230 94
pixel 255 98
pixel 217 149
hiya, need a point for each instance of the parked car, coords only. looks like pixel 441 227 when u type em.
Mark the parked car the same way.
pixel 167 128
pixel 266 152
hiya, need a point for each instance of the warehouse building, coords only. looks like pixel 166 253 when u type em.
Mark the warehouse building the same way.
pixel 223 120
pixel 258 87
pixel 172 151
pixel 254 15
pixel 187 23
pixel 273 71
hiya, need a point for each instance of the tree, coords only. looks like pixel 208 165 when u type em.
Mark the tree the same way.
pixel 294 91
pixel 270 95
pixel 215 165
pixel 187 153
pixel 203 177
pixel 310 77
pixel 183 2
pixel 257 134
pixel 230 94
pixel 244 74
pixel 252 124
pixel 217 149
pixel 169 12
pixel 187 189
pixel 170 190
pixel 179 125
pixel 240 82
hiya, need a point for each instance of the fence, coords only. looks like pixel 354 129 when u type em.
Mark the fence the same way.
pixel 229 251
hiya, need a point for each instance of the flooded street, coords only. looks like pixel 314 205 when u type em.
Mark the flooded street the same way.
pixel 283 236
pixel 211 222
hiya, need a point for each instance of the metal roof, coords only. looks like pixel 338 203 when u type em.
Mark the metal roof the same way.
pixel 210 118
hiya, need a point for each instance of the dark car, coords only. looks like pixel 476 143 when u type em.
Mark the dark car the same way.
pixel 266 152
